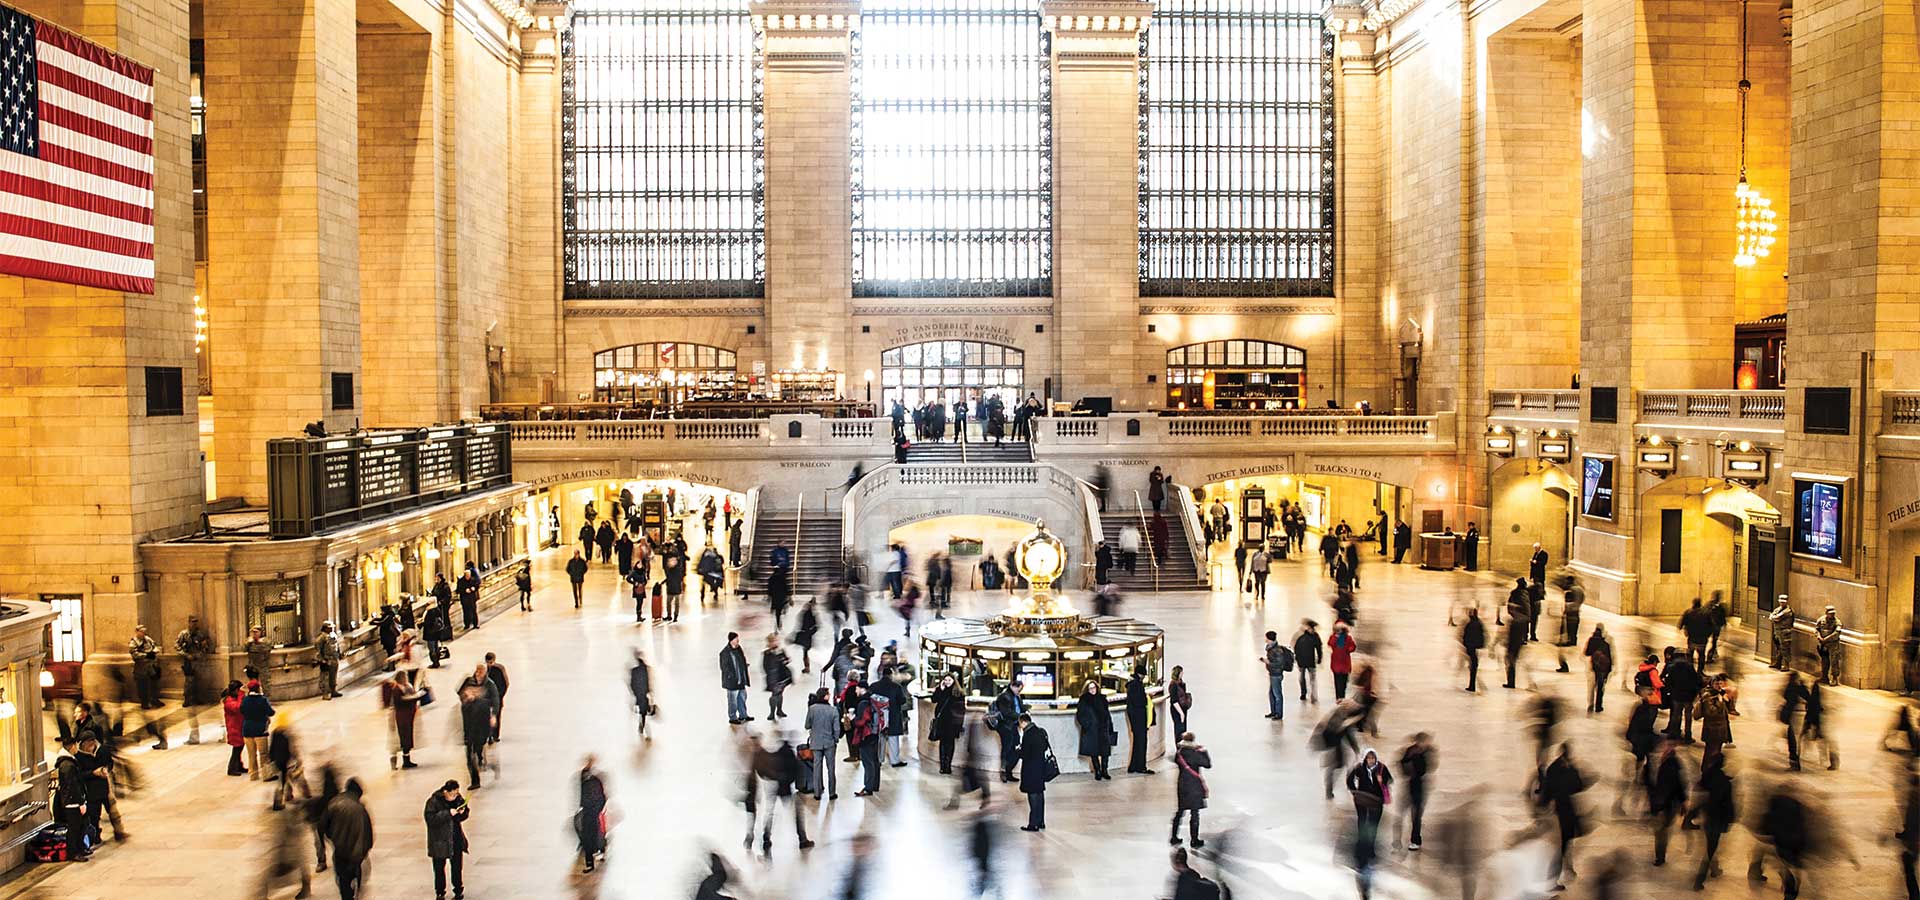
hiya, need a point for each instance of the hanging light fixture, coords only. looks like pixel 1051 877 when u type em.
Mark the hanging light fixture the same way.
pixel 1753 223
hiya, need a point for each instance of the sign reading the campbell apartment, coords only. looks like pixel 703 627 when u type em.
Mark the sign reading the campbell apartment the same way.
pixel 316 485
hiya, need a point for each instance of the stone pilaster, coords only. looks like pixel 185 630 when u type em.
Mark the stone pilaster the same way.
pixel 1656 298
pixel 406 318
pixel 1856 182
pixel 806 57
pixel 86 474
pixel 1096 191
pixel 533 353
pixel 1366 353
pixel 283 225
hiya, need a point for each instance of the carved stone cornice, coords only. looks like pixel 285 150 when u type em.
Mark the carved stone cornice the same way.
pixel 1096 33
pixel 806 35
pixel 932 307
pixel 657 309
pixel 1236 309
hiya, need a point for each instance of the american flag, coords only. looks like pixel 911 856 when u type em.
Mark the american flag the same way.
pixel 76 159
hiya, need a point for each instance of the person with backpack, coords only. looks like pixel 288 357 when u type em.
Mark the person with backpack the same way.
pixel 1599 652
pixel 866 718
pixel 1278 660
pixel 1191 791
pixel 1340 649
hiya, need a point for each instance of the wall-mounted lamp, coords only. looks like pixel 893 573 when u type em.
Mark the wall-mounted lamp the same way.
pixel 1499 441
pixel 1656 455
pixel 1555 445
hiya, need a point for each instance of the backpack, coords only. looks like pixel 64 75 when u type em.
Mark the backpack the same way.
pixel 1279 660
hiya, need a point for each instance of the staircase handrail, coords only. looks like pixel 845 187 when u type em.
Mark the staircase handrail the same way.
pixel 1190 517
pixel 1096 531
pixel 749 524
pixel 1146 537
pixel 799 518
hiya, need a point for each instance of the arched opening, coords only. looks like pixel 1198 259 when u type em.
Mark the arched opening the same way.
pixel 1323 504
pixel 1703 536
pixel 968 541
pixel 664 372
pixel 1531 502
pixel 1236 374
pixel 947 371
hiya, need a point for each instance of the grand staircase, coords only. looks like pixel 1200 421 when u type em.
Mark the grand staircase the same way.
pixel 1178 573
pixel 816 557
pixel 948 453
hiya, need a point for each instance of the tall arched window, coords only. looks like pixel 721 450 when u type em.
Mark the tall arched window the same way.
pixel 667 371
pixel 1236 139
pixel 952 370
pixel 1236 374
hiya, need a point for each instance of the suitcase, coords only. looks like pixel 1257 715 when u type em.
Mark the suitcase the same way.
pixel 50 845
pixel 659 605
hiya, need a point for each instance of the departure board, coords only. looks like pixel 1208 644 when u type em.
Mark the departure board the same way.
pixel 318 484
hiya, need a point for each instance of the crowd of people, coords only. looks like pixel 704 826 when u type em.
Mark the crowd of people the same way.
pixel 1683 763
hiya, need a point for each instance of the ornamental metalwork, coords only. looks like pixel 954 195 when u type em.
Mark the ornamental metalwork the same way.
pixel 662 170
pixel 952 156
pixel 1236 132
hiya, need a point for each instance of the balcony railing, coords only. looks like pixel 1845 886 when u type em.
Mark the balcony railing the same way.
pixel 1552 404
pixel 1900 412
pixel 1750 406
pixel 1124 428
pixel 710 432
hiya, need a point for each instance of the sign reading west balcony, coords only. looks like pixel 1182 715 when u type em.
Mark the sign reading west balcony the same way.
pixel 316 485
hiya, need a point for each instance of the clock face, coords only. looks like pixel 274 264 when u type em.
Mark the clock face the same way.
pixel 1041 560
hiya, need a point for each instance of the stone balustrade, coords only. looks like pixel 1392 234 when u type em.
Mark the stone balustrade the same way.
pixel 1900 412
pixel 1694 406
pixel 1124 428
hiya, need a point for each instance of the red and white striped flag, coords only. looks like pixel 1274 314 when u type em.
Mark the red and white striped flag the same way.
pixel 76 159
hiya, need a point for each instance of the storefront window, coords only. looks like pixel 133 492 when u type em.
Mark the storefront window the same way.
pixel 1236 374
pixel 664 372
pixel 278 608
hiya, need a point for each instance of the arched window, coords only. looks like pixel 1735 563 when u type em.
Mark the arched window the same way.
pixel 644 371
pixel 1236 374
pixel 952 370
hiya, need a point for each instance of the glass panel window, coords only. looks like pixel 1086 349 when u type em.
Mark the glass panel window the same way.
pixel 952 150
pixel 968 382
pixel 661 161
pixel 1246 375
pixel 891 357
pixel 1236 139
pixel 639 372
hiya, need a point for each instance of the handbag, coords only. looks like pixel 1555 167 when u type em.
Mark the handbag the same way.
pixel 426 696
pixel 805 753
pixel 1052 769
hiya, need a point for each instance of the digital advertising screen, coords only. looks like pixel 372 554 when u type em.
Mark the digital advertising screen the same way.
pixel 1596 486
pixel 1819 509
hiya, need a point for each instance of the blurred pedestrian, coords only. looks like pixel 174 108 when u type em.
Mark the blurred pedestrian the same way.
pixel 1191 789
pixel 497 674
pixel 1037 767
pixel 349 830
pixel 1308 647
pixel 288 859
pixel 1417 761
pixel 776 672
pixel 1599 653
pixel 1340 649
pixel 1716 802
pixel 1473 638
pixel 590 817
pixel 640 685
pixel 479 707
pixel 400 696
pixel 284 753
pixel 1139 713
pixel 256 716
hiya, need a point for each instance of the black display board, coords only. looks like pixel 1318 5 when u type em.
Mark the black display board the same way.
pixel 316 485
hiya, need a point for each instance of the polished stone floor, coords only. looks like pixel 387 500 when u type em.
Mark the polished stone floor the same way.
pixel 200 834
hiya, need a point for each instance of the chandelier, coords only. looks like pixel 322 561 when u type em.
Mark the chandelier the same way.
pixel 1753 224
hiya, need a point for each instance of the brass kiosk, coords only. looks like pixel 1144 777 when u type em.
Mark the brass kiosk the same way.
pixel 1053 651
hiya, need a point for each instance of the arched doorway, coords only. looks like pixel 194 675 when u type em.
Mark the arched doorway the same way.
pixel 952 370
pixel 1236 374
pixel 1530 502
pixel 1701 536
pixel 666 371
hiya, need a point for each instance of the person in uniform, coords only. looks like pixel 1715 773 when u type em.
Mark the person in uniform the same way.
pixel 326 655
pixel 194 646
pixel 146 667
pixel 1826 631
pixel 1781 620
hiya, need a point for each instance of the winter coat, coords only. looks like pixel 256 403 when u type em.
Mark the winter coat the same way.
pixel 949 715
pixel 577 569
pixel 256 714
pixel 1307 649
pixel 1095 719
pixel 1369 785
pixel 1340 649
pixel 235 725
pixel 733 669
pixel 823 725
pixel 899 703
pixel 1137 704
pixel 347 826
pixel 640 682
pixel 1711 710
pixel 1473 635
pixel 1599 654
pixel 1192 790
pixel 777 671
pixel 479 704
pixel 1034 750
pixel 446 836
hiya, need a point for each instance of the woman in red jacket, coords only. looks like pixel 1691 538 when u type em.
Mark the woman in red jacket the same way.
pixel 230 704
pixel 1340 648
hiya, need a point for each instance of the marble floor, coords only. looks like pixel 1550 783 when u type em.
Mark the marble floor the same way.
pixel 197 833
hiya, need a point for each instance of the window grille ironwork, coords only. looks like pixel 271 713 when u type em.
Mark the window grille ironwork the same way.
pixel 661 130
pixel 952 177
pixel 1236 149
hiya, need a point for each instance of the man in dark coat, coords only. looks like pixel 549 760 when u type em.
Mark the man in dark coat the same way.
pixel 1137 725
pixel 1036 769
pixel 446 815
pixel 1697 624
pixel 1536 589
pixel 349 831
pixel 604 537
pixel 497 673
pixel 1519 612
pixel 1095 718
pixel 1102 562
pixel 577 574
pixel 1402 541
pixel 1559 785
pixel 1004 718
pixel 899 714
pixel 1473 638
pixel 590 820
pixel 436 629
pixel 1682 683
pixel 469 589
pixel 623 553
pixel 479 707
pixel 442 593
pixel 389 628
pixel 734 679
pixel 586 540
